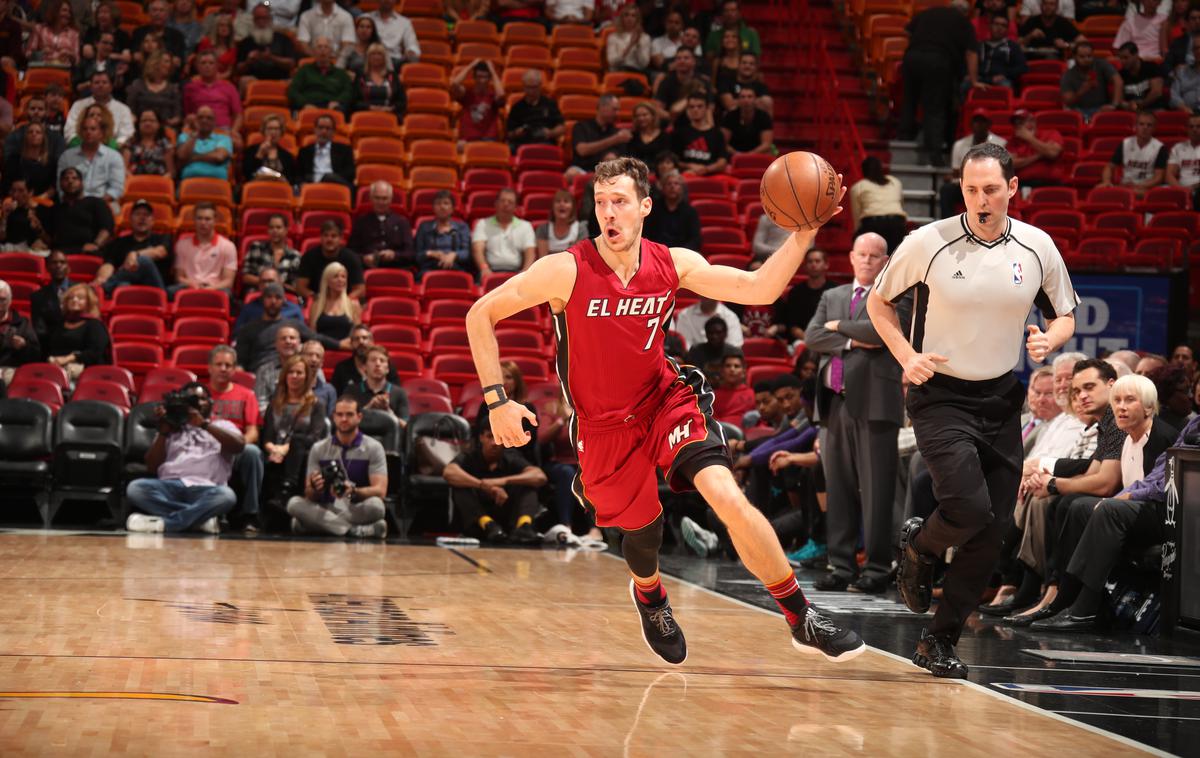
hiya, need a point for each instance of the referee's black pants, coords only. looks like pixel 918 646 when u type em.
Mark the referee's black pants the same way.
pixel 969 434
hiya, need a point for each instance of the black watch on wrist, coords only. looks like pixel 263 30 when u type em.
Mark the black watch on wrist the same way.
pixel 1052 486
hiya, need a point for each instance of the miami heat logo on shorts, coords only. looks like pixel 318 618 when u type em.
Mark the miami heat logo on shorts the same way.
pixel 1018 277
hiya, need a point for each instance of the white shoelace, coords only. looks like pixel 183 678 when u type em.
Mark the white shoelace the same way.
pixel 815 623
pixel 662 619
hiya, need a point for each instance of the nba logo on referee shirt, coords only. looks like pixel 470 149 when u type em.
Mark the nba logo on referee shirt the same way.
pixel 1018 277
pixel 679 434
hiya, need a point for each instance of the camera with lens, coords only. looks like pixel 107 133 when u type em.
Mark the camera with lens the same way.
pixel 334 474
pixel 177 406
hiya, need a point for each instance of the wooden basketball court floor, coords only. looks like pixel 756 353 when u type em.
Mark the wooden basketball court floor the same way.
pixel 139 645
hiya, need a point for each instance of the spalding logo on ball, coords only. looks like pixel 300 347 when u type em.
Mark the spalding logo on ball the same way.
pixel 800 191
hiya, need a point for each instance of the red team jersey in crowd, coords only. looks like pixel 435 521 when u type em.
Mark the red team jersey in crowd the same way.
pixel 636 410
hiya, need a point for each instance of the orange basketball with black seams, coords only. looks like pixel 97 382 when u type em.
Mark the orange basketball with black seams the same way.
pixel 800 191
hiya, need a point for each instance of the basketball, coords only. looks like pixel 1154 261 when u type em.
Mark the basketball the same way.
pixel 800 191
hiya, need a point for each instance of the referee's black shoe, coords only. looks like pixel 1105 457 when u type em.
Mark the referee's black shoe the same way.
pixel 816 633
pixel 936 654
pixel 659 630
pixel 914 577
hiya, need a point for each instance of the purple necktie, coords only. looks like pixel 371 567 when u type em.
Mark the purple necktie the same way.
pixel 835 363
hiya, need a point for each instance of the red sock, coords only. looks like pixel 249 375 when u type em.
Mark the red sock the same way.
pixel 649 594
pixel 790 599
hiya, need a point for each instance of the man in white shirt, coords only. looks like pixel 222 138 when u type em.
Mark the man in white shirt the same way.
pixel 503 242
pixel 327 19
pixel 950 195
pixel 662 49
pixel 101 168
pixel 396 33
pixel 1183 165
pixel 102 87
pixel 690 321
pixel 1141 158
pixel 283 12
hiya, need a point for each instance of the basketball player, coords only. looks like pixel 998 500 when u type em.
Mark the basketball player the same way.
pixel 637 411
pixel 976 277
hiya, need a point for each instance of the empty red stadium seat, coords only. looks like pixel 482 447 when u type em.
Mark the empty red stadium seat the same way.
pixel 37 389
pixel 427 385
pixel 392 310
pixel 107 392
pixel 42 372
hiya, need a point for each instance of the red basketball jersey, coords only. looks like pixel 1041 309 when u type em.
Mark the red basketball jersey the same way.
pixel 610 338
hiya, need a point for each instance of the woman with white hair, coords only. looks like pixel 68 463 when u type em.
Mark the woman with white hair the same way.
pixel 1134 401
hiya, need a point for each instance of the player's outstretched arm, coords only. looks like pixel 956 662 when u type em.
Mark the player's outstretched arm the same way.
pixel 547 280
pixel 732 285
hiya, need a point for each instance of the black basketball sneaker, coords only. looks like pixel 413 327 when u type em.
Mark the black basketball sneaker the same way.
pixel 659 630
pixel 816 633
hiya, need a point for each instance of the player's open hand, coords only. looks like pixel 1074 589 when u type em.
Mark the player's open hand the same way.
pixel 921 367
pixel 506 424
pixel 1037 344
pixel 841 196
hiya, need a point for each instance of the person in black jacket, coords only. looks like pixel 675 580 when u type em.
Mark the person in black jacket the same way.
pixel 81 340
pixel 673 222
pixel 270 155
pixel 18 342
pixel 325 160
pixel 383 237
pixel 376 391
pixel 45 304
pixel 76 224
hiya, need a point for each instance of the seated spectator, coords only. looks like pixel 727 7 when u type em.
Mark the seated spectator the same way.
pixel 102 89
pixel 1183 163
pixel 35 113
pixel 285 13
pixel 1184 356
pixel 535 118
pixel 45 304
pixel 1145 363
pixel 252 309
pixel 877 204
pixel 396 33
pixel 597 139
pixel 517 391
pixel 320 84
pixel 185 19
pixel 275 253
pixel 34 164
pixel 734 398
pixel 1031 8
pixel 1142 82
pixel 325 160
pixel 266 373
pixel 106 20
pixel 1144 28
pixel 97 112
pixel 210 91
pixel 793 313
pixel 269 159
pixel 731 18
pixel 76 223
pixel 1092 85
pixel 709 354
pixel 293 422
pixel 748 128
pixel 563 229
pixel 649 138
pixel 662 49
pixel 357 508
pixel 1001 60
pixel 256 338
pixel 378 88
pixel 106 58
pixel 325 20
pixel 330 250
pixel 494 490
pixel 503 242
pixel 699 142
pixel 723 65
pixel 55 40
pixel 672 91
pixel 673 221
pixel 101 168
pixel 202 151
pixel 950 197
pixel 443 242
pixel 988 12
pixel 220 41
pixel 313 353
pixel 1174 388
pixel 139 257
pixel 1180 51
pixel 149 152
pixel 1048 35
pixel 56 106
pixel 561 464
pixel 1185 86
pixel 155 92
pixel 383 237
pixel 81 340
pixel 353 57
pixel 333 313
pixel 375 391
pixel 350 371
pixel 20 224
pixel 481 103
pixel 768 237
pixel 1141 158
pixel 205 259
pixel 12 31
pixel 18 341
pixel 691 322
pixel 628 46
pixel 568 11
pixel 265 53
pixel 1034 151
pixel 236 404
pixel 191 465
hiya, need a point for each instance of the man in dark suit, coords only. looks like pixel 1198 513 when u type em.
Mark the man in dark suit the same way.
pixel 383 237
pixel 45 310
pixel 860 405
pixel 325 160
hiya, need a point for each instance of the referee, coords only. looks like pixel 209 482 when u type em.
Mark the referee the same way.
pixel 976 276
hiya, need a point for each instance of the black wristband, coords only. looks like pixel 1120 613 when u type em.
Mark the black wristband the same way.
pixel 501 396
pixel 1052 486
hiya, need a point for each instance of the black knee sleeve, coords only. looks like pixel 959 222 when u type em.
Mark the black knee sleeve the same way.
pixel 640 548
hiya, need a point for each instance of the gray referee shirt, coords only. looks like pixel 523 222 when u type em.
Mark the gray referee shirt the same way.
pixel 973 297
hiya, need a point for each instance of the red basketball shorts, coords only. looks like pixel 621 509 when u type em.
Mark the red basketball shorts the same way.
pixel 619 463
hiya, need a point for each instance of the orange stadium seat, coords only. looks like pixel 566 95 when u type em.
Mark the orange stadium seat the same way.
pixel 486 155
pixel 374 124
pixel 253 117
pixel 476 31
pixel 156 189
pixel 38 79
pixel 426 126
pixel 539 158
pixel 530 56
pixel 578 107
pixel 582 59
pixel 523 33
pixel 365 175
pixel 436 51
pixel 573 83
pixel 429 29
pixel 307 119
pixel 266 92
pixel 201 189
pixel 164 217
pixel 433 152
pixel 468 52
pixel 573 35
pixel 433 177
pixel 423 75
pixel 267 194
pixel 428 100
pixel 325 196
pixel 379 150
pixel 421 8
